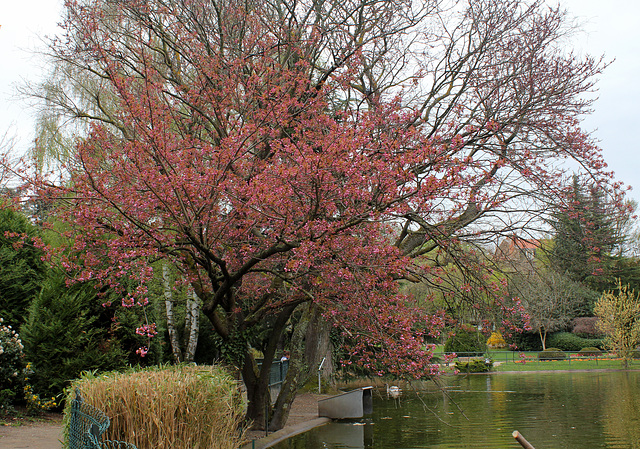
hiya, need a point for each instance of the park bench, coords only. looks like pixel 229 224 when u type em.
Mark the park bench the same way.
pixel 86 426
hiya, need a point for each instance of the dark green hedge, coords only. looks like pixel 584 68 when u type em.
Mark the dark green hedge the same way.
pixel 567 341
pixel 525 341
pixel 466 343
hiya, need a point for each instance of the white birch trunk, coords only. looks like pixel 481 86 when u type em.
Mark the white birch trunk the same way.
pixel 192 325
pixel 171 327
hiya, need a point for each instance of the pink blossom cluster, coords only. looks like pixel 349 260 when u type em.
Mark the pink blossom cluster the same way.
pixel 147 330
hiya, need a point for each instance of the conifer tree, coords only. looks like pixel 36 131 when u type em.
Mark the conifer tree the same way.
pixel 21 268
pixel 67 332
pixel 585 236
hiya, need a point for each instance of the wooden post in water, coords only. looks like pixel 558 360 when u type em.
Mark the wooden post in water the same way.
pixel 520 439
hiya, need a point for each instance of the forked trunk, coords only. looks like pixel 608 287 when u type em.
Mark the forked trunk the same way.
pixel 310 344
pixel 296 374
pixel 543 337
pixel 259 407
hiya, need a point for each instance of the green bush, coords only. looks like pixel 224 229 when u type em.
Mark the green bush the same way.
pixel 466 342
pixel 590 351
pixel 552 354
pixel 21 268
pixel 481 365
pixel 184 406
pixel 567 341
pixel 68 332
pixel 525 341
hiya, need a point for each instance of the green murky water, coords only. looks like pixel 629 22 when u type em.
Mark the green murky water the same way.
pixel 555 410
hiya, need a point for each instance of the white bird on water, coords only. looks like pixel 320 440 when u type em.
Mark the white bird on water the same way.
pixel 393 391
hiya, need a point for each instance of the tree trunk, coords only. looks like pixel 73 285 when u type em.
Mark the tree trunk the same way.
pixel 193 330
pixel 258 399
pixel 259 408
pixel 318 345
pixel 310 343
pixel 171 327
pixel 543 338
pixel 297 373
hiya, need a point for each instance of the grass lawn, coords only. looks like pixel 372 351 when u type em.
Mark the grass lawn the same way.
pixel 577 363
pixel 505 360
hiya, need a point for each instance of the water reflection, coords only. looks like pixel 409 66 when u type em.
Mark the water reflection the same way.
pixel 554 410
pixel 622 411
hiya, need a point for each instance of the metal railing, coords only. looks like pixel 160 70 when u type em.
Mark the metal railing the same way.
pixel 278 371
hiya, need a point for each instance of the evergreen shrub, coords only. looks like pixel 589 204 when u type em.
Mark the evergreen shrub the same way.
pixel 466 342
pixel 552 354
pixel 21 267
pixel 68 332
pixel 525 341
pixel 590 352
pixel 480 365
pixel 567 341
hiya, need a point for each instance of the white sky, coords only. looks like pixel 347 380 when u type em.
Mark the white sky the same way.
pixel 611 28
pixel 23 23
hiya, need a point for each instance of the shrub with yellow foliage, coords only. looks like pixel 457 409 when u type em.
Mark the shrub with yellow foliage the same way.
pixel 496 341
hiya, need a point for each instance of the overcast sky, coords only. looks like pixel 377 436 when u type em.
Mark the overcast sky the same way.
pixel 611 28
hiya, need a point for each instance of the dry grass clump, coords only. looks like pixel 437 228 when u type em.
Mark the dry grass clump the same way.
pixel 168 407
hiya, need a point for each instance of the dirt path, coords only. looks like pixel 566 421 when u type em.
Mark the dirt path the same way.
pixel 43 434
pixel 47 433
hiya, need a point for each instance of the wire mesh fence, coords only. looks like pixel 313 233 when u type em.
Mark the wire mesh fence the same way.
pixel 87 424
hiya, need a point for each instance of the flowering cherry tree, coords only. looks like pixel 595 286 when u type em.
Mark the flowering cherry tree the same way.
pixel 297 159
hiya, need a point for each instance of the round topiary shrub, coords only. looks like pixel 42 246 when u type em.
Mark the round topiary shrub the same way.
pixel 590 351
pixel 552 354
pixel 466 342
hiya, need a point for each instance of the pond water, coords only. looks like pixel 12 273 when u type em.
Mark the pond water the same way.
pixel 578 410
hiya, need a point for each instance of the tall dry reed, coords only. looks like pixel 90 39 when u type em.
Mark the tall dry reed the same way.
pixel 185 407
